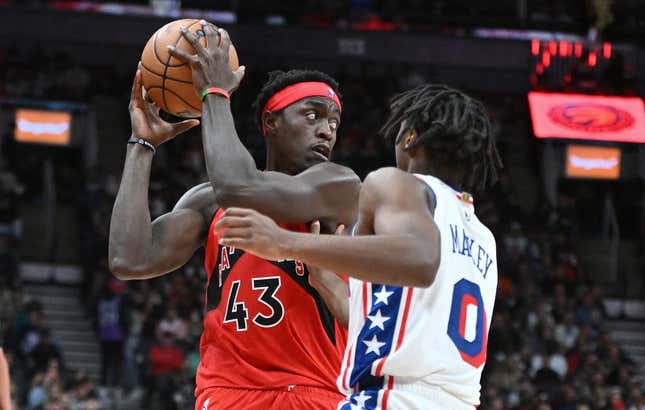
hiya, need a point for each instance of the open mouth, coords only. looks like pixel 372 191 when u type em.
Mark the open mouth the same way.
pixel 322 150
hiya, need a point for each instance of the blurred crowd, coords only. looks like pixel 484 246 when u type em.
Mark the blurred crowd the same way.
pixel 617 16
pixel 548 347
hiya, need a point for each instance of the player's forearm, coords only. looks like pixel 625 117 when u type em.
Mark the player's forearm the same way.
pixel 335 293
pixel 227 160
pixel 5 384
pixel 130 225
pixel 388 259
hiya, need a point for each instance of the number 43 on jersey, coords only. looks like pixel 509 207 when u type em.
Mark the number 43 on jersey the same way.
pixel 237 312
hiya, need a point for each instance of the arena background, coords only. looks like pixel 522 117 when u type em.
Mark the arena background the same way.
pixel 569 325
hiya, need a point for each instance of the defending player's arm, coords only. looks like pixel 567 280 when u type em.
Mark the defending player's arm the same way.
pixel 402 246
pixel 5 383
pixel 139 248
pixel 319 192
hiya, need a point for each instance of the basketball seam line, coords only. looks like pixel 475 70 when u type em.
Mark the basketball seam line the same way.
pixel 176 95
pixel 168 77
pixel 163 80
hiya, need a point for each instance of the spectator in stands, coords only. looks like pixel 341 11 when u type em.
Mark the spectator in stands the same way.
pixel 166 362
pixel 173 324
pixel 44 352
pixel 112 333
pixel 83 395
pixel 30 333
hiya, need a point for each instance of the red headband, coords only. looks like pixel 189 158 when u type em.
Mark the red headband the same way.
pixel 297 92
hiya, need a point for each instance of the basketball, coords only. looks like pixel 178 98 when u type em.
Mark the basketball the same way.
pixel 168 80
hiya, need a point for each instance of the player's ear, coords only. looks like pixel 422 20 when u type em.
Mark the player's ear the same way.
pixel 270 121
pixel 410 137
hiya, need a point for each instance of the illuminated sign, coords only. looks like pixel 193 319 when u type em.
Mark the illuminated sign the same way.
pixel 43 127
pixel 593 162
pixel 587 117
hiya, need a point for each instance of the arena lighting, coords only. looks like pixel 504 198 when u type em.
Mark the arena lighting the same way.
pixel 587 117
pixel 606 50
pixel 43 127
pixel 546 59
pixel 553 47
pixel 578 50
pixel 564 48
pixel 539 68
pixel 592 162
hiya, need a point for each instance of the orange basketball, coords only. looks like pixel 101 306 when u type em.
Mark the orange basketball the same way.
pixel 168 80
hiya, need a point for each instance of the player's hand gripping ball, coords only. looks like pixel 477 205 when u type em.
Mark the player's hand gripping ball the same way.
pixel 168 80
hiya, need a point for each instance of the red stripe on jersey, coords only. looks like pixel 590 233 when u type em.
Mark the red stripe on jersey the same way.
pixel 379 366
pixel 349 360
pixel 404 321
pixel 386 395
pixel 364 300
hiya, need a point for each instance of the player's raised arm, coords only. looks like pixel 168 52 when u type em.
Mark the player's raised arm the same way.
pixel 313 193
pixel 395 208
pixel 139 248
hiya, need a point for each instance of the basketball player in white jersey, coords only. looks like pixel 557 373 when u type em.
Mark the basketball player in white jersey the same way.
pixel 423 267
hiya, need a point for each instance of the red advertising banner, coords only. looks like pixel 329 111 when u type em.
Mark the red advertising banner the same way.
pixel 593 162
pixel 587 117
pixel 43 127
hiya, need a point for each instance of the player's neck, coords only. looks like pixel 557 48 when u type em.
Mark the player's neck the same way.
pixel 446 175
pixel 278 164
pixel 420 167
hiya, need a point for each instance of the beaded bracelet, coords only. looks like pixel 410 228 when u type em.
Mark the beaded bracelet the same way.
pixel 137 140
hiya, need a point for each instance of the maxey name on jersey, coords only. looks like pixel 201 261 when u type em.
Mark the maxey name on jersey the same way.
pixel 465 246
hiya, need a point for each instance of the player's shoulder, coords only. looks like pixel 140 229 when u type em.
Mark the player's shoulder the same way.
pixel 198 198
pixel 333 171
pixel 393 182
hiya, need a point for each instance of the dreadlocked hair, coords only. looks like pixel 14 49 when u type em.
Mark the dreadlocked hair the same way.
pixel 282 79
pixel 453 126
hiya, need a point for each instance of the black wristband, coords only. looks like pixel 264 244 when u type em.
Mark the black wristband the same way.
pixel 137 140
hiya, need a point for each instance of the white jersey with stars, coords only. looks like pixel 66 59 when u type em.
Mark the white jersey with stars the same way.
pixel 425 348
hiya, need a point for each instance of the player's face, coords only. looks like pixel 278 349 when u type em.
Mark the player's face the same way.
pixel 402 157
pixel 306 133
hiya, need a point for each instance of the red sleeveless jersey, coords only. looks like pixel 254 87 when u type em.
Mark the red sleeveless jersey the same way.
pixel 265 327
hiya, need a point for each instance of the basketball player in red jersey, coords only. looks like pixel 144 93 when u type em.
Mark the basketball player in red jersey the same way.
pixel 269 341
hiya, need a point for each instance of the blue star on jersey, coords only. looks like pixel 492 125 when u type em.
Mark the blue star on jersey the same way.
pixel 376 338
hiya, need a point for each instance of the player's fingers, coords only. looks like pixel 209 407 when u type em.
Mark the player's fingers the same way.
pixel 232 222
pixel 185 125
pixel 234 211
pixel 236 233
pixel 137 85
pixel 234 242
pixel 181 54
pixel 339 229
pixel 315 228
pixel 193 39
pixel 239 73
pixel 210 31
pixel 225 41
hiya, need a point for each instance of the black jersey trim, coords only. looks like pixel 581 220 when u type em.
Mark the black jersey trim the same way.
pixel 326 317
